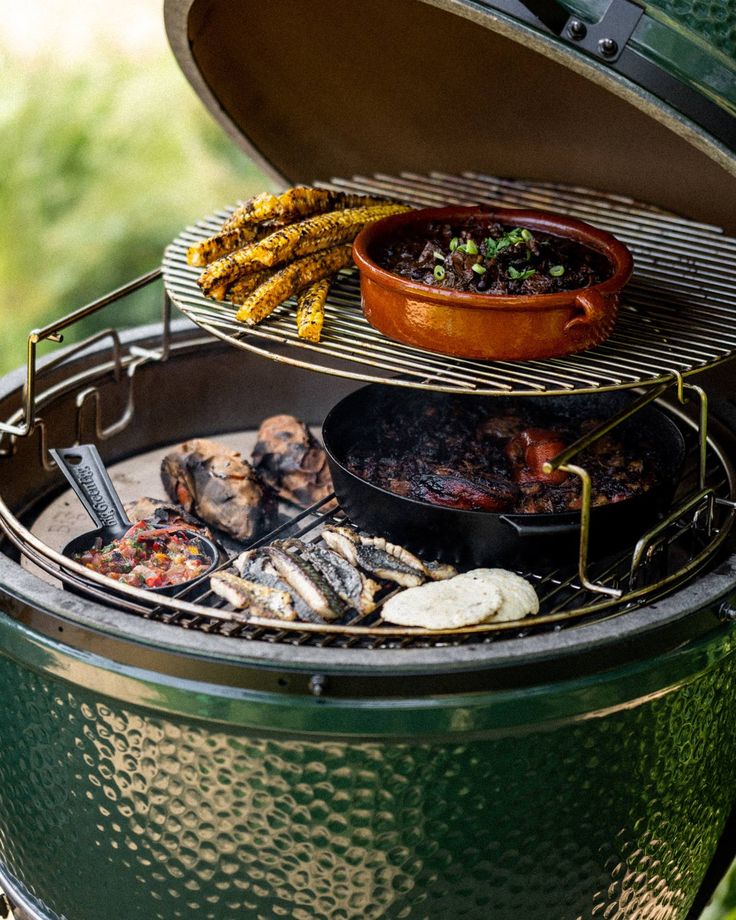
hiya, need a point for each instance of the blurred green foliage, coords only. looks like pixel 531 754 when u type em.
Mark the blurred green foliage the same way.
pixel 724 903
pixel 101 168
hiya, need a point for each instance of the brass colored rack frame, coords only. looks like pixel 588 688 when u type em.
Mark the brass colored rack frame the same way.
pixel 693 532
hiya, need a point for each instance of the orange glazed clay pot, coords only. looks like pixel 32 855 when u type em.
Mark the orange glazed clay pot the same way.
pixel 489 326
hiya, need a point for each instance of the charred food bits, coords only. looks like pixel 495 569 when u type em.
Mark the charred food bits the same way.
pixel 291 461
pixel 219 486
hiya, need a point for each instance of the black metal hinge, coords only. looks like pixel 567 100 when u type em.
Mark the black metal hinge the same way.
pixel 605 39
pixel 608 37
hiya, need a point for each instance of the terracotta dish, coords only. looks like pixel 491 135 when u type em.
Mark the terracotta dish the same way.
pixel 474 325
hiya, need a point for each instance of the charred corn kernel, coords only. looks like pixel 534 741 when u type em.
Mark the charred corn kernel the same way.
pixel 215 279
pixel 318 232
pixel 290 280
pixel 293 241
pixel 300 201
pixel 238 291
pixel 310 310
pixel 206 251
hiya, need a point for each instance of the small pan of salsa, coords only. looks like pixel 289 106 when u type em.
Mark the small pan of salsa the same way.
pixel 142 555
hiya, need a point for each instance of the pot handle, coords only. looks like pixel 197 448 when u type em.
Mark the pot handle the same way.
pixel 86 474
pixel 543 531
pixel 594 306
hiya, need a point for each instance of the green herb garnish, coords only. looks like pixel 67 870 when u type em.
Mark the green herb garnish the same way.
pixel 526 235
pixel 516 275
pixel 439 272
pixel 471 247
pixel 454 243
pixel 479 269
pixel 490 245
pixel 557 271
pixel 439 255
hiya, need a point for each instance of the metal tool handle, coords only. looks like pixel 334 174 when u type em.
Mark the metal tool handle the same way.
pixel 83 468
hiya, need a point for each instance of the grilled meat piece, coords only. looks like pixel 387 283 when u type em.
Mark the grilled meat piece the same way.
pixel 455 491
pixel 256 598
pixel 530 450
pixel 219 486
pixel 163 514
pixel 291 460
pixel 348 583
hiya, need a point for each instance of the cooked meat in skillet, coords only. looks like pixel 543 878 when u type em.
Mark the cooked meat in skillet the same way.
pixel 463 453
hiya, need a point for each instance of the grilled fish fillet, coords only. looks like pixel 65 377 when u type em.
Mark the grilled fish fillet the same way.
pixel 349 583
pixel 304 578
pixel 255 565
pixel 256 598
pixel 290 280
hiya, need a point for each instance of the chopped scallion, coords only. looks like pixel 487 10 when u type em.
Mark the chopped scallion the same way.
pixel 479 269
pixel 557 271
pixel 471 248
pixel 439 272
pixel 526 235
pixel 516 275
pixel 439 255
pixel 454 243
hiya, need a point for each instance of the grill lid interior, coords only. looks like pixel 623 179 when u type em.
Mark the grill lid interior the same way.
pixel 339 88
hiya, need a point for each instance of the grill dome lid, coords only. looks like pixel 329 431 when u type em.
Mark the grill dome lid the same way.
pixel 639 99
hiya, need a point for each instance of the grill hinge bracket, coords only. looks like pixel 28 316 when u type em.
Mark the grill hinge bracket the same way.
pixel 608 37
pixel 605 39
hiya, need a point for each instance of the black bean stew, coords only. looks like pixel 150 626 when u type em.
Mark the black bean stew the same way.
pixel 492 258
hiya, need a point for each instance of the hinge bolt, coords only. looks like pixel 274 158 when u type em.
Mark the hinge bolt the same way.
pixel 607 47
pixel 727 611
pixel 577 29
pixel 317 684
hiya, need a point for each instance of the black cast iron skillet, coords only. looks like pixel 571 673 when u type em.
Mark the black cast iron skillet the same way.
pixel 84 470
pixel 475 538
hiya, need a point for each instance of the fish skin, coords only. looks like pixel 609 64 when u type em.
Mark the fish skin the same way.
pixel 345 579
pixel 255 565
pixel 257 598
pixel 307 581
pixel 374 559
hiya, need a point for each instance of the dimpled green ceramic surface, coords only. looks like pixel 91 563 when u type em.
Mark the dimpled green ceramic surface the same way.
pixel 559 812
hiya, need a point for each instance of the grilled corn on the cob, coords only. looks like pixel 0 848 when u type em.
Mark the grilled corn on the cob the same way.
pixel 214 247
pixel 238 291
pixel 294 203
pixel 293 241
pixel 290 280
pixel 310 310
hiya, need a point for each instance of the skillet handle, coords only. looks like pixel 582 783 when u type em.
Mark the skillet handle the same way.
pixel 84 470
pixel 525 531
pixel 595 307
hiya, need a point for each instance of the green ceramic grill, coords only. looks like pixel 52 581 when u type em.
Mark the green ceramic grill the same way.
pixel 161 758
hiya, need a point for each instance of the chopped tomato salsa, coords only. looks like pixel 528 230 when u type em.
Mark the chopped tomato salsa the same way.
pixel 148 558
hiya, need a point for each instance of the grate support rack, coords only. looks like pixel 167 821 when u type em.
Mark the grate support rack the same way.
pixel 677 315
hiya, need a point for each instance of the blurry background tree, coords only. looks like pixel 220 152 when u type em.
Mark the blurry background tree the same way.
pixel 106 154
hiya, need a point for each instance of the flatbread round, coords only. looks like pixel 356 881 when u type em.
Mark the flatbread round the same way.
pixel 464 600
pixel 519 599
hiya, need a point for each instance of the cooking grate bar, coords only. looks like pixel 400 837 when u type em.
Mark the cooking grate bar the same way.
pixel 677 316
